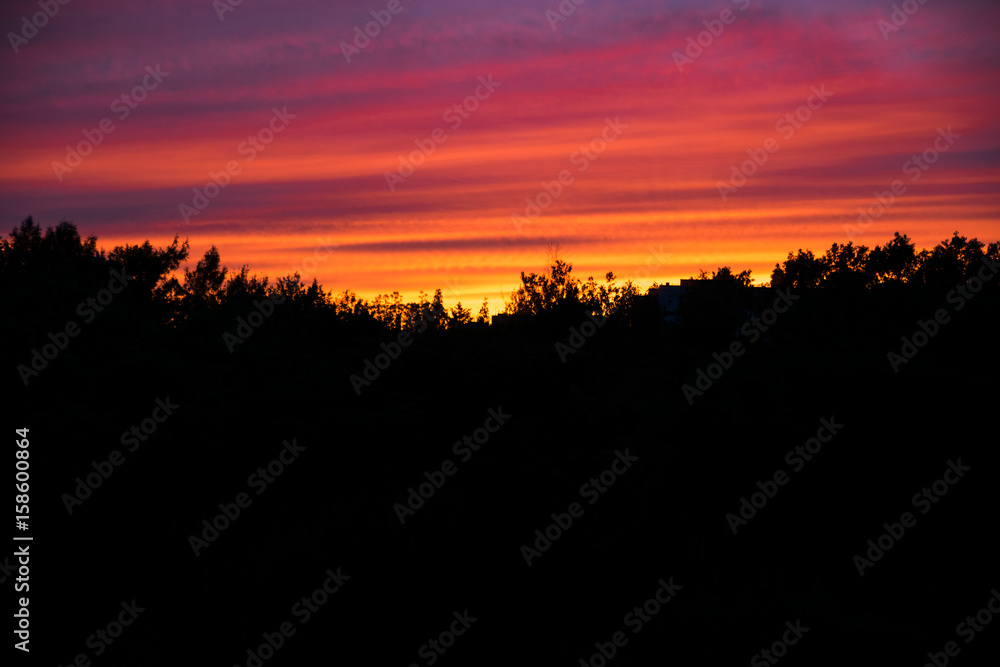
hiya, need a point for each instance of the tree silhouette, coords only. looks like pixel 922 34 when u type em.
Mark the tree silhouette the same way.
pixel 951 261
pixel 203 285
pixel 801 270
pixel 545 293
pixel 894 262
pixel 459 316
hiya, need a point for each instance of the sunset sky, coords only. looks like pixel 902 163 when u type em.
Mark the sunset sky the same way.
pixel 650 197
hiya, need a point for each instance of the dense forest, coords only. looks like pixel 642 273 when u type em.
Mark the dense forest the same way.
pixel 377 397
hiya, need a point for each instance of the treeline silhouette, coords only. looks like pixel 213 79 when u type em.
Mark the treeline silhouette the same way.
pixel 61 267
pixel 164 335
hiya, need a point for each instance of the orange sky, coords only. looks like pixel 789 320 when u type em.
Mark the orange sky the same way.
pixel 650 198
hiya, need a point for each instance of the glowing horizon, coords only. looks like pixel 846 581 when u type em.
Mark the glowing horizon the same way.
pixel 885 93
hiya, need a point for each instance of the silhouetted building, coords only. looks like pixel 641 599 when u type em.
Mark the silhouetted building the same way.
pixel 669 298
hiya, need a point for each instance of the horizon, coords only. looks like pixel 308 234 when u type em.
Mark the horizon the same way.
pixel 494 113
pixel 449 299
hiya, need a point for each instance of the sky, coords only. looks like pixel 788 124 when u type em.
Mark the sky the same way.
pixel 458 141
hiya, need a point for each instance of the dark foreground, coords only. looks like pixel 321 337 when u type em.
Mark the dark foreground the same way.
pixel 635 491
